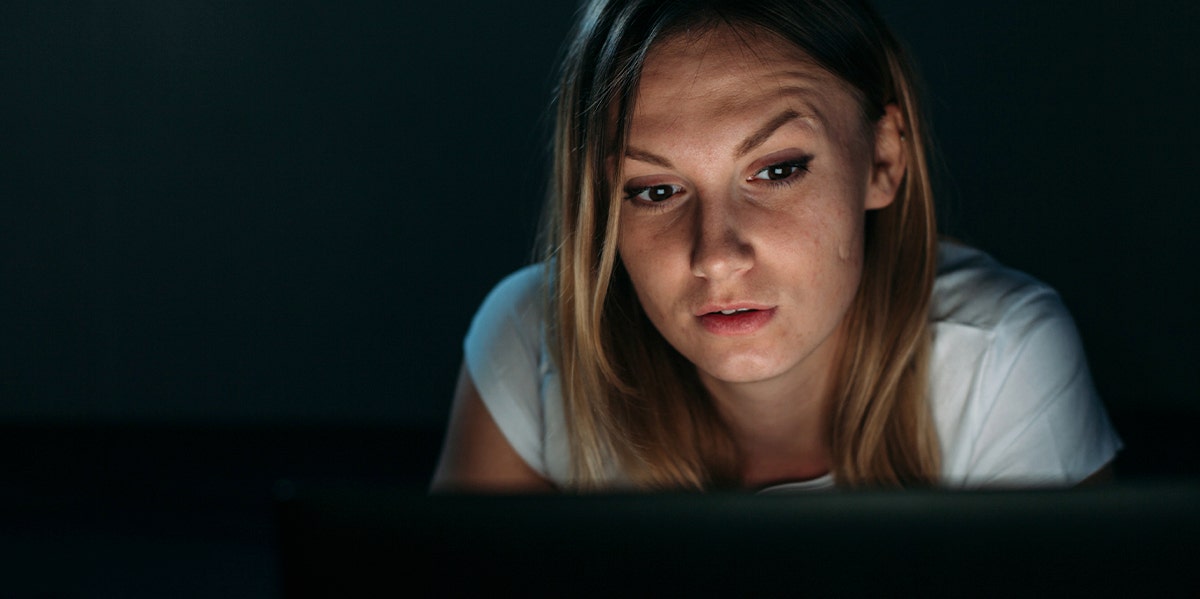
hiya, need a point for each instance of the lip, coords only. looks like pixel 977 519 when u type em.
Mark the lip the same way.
pixel 739 323
pixel 716 308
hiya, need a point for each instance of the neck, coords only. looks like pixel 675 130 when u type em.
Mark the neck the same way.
pixel 779 424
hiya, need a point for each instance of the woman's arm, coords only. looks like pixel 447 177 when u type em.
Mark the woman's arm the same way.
pixel 475 455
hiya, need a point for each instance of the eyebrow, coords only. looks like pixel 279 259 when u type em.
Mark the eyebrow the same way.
pixel 752 141
pixel 766 131
pixel 649 157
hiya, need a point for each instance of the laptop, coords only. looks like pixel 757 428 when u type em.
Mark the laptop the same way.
pixel 1125 539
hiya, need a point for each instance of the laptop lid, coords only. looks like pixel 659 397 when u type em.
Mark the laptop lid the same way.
pixel 1116 539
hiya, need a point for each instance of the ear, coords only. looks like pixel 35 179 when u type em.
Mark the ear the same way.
pixel 891 159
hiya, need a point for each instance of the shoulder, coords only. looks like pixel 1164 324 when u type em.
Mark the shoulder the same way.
pixel 509 320
pixel 515 299
pixel 973 289
pixel 1010 389
pixel 982 309
pixel 504 345
pixel 505 354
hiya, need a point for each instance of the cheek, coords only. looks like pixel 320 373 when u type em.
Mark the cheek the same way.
pixel 639 257
pixel 845 243
pixel 846 253
pixel 649 246
pixel 631 250
pixel 850 239
pixel 656 261
pixel 822 244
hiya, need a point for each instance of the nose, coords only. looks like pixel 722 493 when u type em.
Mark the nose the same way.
pixel 720 248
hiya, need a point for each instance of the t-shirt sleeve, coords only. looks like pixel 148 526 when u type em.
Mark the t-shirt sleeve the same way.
pixel 1045 423
pixel 502 351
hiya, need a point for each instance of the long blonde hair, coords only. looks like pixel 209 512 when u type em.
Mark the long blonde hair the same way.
pixel 633 404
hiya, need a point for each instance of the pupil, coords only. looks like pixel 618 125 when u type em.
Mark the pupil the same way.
pixel 660 192
pixel 778 172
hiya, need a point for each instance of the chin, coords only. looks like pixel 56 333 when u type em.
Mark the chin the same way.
pixel 743 369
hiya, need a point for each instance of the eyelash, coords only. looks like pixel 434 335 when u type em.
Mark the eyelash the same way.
pixel 633 193
pixel 799 167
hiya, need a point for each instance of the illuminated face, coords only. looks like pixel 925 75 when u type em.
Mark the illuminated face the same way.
pixel 745 186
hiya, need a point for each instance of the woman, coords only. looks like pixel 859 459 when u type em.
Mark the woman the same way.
pixel 743 286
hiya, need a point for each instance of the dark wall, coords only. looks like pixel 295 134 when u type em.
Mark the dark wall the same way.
pixel 1065 132
pixel 287 212
pixel 258 211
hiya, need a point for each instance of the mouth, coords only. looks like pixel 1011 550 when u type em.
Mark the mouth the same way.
pixel 733 321
pixel 731 309
pixel 735 311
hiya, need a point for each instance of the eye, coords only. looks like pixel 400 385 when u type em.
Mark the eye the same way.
pixel 653 194
pixel 782 170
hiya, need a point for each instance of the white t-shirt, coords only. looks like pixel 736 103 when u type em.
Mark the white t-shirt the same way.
pixel 1009 385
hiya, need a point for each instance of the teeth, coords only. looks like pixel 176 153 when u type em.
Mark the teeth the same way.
pixel 728 312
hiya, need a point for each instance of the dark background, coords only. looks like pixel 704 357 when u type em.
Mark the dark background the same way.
pixel 241 241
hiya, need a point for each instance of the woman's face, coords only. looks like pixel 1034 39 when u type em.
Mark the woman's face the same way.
pixel 745 185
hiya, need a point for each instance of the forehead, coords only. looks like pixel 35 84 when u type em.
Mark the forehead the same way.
pixel 722 71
